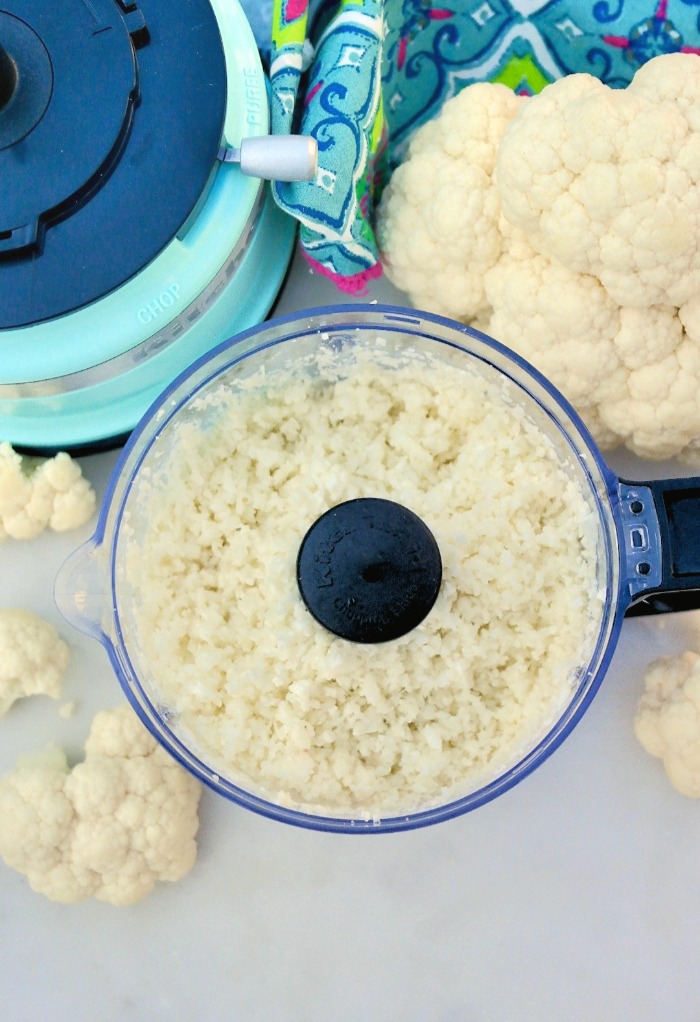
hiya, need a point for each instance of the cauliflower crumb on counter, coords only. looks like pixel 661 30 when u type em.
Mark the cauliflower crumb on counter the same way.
pixel 33 658
pixel 269 697
pixel 112 827
pixel 667 722
pixel 566 226
pixel 67 710
pixel 38 493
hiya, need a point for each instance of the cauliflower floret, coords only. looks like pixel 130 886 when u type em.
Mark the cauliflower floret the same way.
pixel 119 822
pixel 654 409
pixel 33 658
pixel 668 719
pixel 561 321
pixel 438 219
pixel 37 493
pixel 672 78
pixel 629 372
pixel 608 180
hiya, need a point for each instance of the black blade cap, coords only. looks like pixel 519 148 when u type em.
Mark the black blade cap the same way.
pixel 369 570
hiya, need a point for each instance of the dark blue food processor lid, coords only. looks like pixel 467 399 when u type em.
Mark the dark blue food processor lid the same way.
pixel 111 116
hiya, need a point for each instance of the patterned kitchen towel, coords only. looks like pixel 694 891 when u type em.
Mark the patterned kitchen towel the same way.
pixel 342 109
pixel 381 68
pixel 260 16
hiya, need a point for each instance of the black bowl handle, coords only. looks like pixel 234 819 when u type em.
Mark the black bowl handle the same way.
pixel 671 527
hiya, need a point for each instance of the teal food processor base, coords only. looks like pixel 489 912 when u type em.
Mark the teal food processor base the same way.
pixel 101 416
pixel 121 268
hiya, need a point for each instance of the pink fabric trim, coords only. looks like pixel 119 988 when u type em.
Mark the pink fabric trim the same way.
pixel 355 285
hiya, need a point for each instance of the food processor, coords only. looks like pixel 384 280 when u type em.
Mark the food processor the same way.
pixel 643 534
pixel 136 228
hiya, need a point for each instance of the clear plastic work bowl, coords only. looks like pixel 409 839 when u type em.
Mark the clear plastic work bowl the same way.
pixel 94 594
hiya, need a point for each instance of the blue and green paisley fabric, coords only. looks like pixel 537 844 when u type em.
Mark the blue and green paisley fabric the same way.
pixel 380 68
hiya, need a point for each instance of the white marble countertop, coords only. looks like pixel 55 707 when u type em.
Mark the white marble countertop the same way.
pixel 574 896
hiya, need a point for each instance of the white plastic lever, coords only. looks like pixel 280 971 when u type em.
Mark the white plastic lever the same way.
pixel 275 157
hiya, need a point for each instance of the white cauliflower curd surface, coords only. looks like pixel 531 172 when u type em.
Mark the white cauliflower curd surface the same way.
pixel 270 698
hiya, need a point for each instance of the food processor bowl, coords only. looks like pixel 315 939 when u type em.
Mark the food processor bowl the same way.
pixel 95 593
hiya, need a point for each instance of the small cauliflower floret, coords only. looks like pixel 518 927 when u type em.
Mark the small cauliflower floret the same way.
pixel 668 719
pixel 33 658
pixel 37 493
pixel 119 822
pixel 437 222
pixel 608 180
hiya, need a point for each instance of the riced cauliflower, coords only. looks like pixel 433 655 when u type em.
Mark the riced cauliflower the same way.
pixel 567 226
pixel 110 828
pixel 269 697
pixel 668 719
pixel 33 657
pixel 40 493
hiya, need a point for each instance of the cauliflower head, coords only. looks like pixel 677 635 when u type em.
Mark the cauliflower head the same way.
pixel 668 719
pixel 33 658
pixel 590 261
pixel 36 493
pixel 112 827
